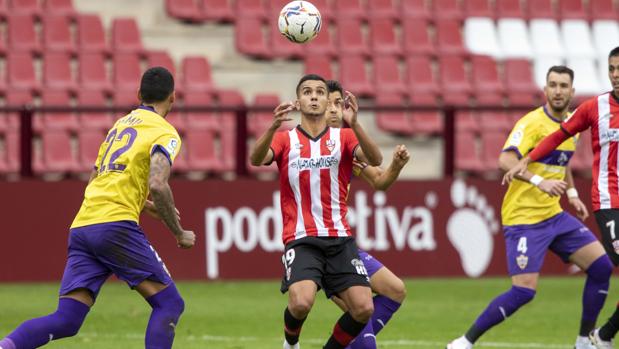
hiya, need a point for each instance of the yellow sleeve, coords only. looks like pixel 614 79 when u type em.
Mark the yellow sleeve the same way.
pixel 523 138
pixel 169 144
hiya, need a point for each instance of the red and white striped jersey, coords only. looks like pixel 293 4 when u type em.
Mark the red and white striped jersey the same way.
pixel 601 115
pixel 314 181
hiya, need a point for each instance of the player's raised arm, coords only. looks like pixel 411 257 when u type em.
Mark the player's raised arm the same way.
pixel 164 200
pixel 262 154
pixel 381 179
pixel 508 160
pixel 369 151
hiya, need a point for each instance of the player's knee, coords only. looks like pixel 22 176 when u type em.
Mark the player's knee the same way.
pixel 397 291
pixel 362 312
pixel 522 295
pixel 300 306
pixel 601 269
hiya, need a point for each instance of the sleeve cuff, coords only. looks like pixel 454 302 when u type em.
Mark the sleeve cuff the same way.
pixel 514 149
pixel 160 148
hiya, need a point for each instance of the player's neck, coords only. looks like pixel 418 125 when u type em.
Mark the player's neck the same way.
pixel 559 115
pixel 312 125
pixel 157 108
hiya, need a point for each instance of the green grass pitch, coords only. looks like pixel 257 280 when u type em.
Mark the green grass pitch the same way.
pixel 238 315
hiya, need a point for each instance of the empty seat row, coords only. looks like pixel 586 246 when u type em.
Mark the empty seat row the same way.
pixel 37 8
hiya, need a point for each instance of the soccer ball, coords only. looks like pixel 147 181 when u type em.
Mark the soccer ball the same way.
pixel 299 21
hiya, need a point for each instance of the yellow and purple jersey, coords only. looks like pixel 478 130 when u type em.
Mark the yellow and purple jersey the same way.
pixel 120 189
pixel 523 202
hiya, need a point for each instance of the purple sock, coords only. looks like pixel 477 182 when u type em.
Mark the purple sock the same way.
pixel 595 292
pixel 167 309
pixel 364 340
pixel 65 322
pixel 499 309
pixel 384 308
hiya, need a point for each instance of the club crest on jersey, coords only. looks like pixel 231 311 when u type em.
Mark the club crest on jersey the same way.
pixel 563 159
pixel 330 144
pixel 298 146
pixel 522 261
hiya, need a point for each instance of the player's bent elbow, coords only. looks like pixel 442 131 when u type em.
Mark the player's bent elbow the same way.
pixel 156 186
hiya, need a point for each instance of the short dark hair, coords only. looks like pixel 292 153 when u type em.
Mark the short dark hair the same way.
pixel 335 86
pixel 561 69
pixel 614 52
pixel 309 77
pixel 157 84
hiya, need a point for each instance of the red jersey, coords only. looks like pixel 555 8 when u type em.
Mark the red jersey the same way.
pixel 314 177
pixel 601 115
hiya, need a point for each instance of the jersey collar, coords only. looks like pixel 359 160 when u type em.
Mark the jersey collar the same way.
pixel 313 139
pixel 147 107
pixel 550 115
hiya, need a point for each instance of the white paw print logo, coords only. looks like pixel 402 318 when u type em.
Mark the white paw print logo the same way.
pixel 470 228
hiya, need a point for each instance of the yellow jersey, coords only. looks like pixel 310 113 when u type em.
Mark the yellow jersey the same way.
pixel 120 189
pixel 523 202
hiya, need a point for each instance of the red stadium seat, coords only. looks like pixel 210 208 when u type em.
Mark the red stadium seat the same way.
pixel 57 71
pixel 422 84
pixel 60 8
pixel 160 58
pixel 448 37
pixel 350 37
pixel 320 65
pixel 603 9
pixel 200 119
pixel 323 44
pixel 478 8
pixel 4 9
pixel 92 72
pixel 25 7
pixel 93 120
pixel 259 122
pixel 3 84
pixel 185 10
pixel 492 144
pixel 177 120
pixel 383 38
pixel 427 122
pixel 21 34
pixel 541 9
pixel 573 9
pixel 521 88
pixel 396 122
pixel 217 10
pixel 326 9
pixel 21 73
pixel 494 121
pixel 89 141
pixel 383 8
pixel 9 160
pixel 455 83
pixel 351 9
pixel 125 98
pixel 197 74
pixel 55 153
pixel 510 9
pixel 127 71
pixel 126 36
pixel 415 9
pixel 467 121
pixel 57 34
pixel 202 145
pixel 250 40
pixel 489 89
pixel 467 155
pixel 16 98
pixel 354 77
pixel 387 75
pixel 282 47
pixel 447 9
pixel 252 9
pixel 63 121
pixel 417 39
pixel 90 34
pixel 229 98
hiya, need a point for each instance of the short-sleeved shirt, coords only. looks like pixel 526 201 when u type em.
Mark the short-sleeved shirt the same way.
pixel 523 202
pixel 119 191
pixel 315 174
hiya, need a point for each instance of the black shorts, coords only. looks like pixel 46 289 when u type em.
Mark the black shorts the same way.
pixel 332 263
pixel 608 222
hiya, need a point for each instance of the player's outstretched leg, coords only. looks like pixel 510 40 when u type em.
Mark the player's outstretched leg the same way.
pixel 168 305
pixel 358 300
pixel 593 297
pixel 301 296
pixel 65 322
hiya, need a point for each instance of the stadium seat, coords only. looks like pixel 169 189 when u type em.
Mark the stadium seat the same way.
pixel 57 34
pixel 605 36
pixel 478 8
pixel 250 40
pixel 492 144
pixel 25 7
pixel 185 10
pixel 57 71
pixel 197 74
pixel 447 9
pixel 583 157
pixel 467 155
pixel 21 73
pixel 383 37
pixel 21 34
pixel 540 69
pixel 125 98
pixel 545 38
pixel 177 120
pixel 448 37
pixel 422 84
pixel 62 121
pixel 251 9
pixel 90 34
pixel 603 9
pixel 16 98
pixel 60 8
pixel 521 88
pixel 577 39
pixel 481 38
pixel 126 36
pixel 455 84
pixel 228 98
pixel 202 145
pixel 605 83
pixel 514 38
pixel 92 73
pixel 259 122
pixel 427 122
pixel 89 141
pixel 93 120
pixel 320 65
pixel 284 48
pixel 541 9
pixel 4 9
pixel 127 71
pixel 200 119
pixel 383 9
pixel 510 9
pixel 494 121
pixel 573 9
pixel 160 58
pixel 415 9
pixel 396 122
pixel 387 77
pixel 322 45
pixel 10 160
pixel 467 121
pixel 55 153
pixel 416 37
pixel 585 71
pixel 353 75
pixel 3 85
pixel 351 40
pixel 489 89
pixel 352 9
pixel 217 10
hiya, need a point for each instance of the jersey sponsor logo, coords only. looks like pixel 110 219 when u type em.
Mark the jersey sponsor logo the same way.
pixel 305 164
pixel 172 146
pixel 522 261
pixel 563 159
pixel 612 135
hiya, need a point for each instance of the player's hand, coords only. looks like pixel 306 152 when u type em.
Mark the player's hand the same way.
pixel 517 170
pixel 553 187
pixel 401 155
pixel 581 209
pixel 151 210
pixel 186 239
pixel 351 109
pixel 280 114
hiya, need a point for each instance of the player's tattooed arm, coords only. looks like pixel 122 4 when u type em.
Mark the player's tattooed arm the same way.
pixel 508 161
pixel 262 154
pixel 367 151
pixel 164 200
pixel 381 179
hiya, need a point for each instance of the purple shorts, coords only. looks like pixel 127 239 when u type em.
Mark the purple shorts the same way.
pixel 371 264
pixel 526 244
pixel 100 250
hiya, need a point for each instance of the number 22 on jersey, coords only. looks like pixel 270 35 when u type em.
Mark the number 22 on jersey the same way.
pixel 121 142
